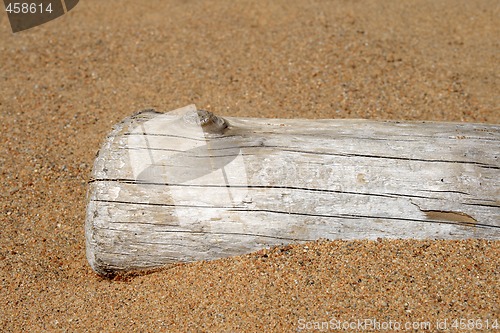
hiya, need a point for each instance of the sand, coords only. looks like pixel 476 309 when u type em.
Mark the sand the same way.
pixel 65 83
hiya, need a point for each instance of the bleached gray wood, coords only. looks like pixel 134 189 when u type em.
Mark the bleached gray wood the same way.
pixel 166 189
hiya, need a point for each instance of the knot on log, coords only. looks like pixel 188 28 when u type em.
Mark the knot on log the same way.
pixel 209 122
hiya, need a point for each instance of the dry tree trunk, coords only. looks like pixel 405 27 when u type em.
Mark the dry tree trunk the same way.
pixel 188 185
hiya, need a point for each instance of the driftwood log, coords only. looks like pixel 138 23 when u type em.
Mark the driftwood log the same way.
pixel 188 185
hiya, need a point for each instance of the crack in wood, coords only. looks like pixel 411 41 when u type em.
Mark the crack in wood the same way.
pixel 140 182
pixel 287 148
pixel 431 218
pixel 450 216
pixel 446 191
pixel 190 232
pixel 481 205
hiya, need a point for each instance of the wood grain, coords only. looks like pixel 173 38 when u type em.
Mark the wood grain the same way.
pixel 187 185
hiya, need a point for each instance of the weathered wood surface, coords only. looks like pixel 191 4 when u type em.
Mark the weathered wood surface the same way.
pixel 181 186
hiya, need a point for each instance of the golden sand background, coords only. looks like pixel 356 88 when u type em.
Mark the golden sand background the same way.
pixel 65 83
